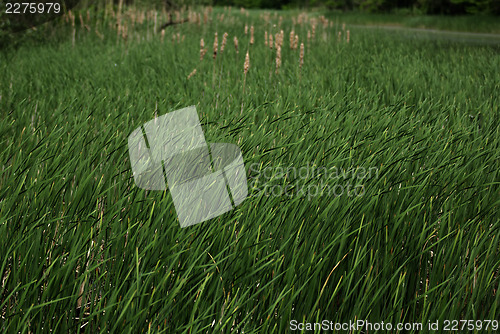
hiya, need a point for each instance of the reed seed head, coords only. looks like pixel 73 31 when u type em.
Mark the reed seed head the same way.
pixel 191 74
pixel 216 45
pixel 246 65
pixel 224 41
pixel 301 60
pixel 235 40
pixel 278 57
pixel 202 49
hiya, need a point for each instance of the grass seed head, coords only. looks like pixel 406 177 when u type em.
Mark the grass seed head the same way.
pixel 202 49
pixel 301 60
pixel 278 57
pixel 246 65
pixel 224 41
pixel 216 45
pixel 277 41
pixel 265 38
pixel 314 22
pixel 251 36
pixel 235 40
pixel 205 17
pixel 125 32
pixel 191 74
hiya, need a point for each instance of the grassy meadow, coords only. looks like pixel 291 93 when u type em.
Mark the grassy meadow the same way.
pixel 464 23
pixel 83 250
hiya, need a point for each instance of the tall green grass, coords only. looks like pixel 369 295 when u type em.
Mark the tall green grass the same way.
pixel 464 23
pixel 84 250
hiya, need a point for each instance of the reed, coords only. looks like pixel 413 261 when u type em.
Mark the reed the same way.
pixel 278 57
pixel 193 72
pixel 203 51
pixel 215 46
pixel 235 40
pixel 224 41
pixel 301 56
pixel 246 67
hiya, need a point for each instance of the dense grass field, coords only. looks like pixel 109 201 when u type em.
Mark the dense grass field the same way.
pixel 387 146
pixel 465 23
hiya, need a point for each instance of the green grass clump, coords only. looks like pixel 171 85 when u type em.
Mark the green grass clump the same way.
pixel 84 250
